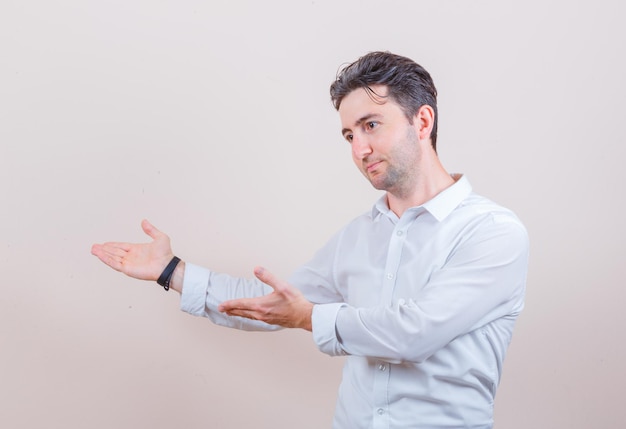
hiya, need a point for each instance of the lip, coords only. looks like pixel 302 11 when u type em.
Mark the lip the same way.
pixel 372 166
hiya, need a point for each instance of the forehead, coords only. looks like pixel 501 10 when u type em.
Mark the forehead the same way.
pixel 361 103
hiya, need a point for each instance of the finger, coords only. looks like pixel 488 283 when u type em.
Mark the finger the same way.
pixel 109 246
pixel 96 249
pixel 101 250
pixel 268 278
pixel 243 313
pixel 150 229
pixel 106 257
pixel 117 248
pixel 115 251
pixel 243 304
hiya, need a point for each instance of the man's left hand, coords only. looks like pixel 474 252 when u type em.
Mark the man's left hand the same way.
pixel 286 306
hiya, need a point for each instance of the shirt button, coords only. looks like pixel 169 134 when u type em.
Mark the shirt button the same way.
pixel 399 233
pixel 382 367
pixel 380 411
pixel 390 276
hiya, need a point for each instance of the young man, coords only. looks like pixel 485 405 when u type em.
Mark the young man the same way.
pixel 421 293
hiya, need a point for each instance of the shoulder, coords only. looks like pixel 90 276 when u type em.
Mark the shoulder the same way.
pixel 490 218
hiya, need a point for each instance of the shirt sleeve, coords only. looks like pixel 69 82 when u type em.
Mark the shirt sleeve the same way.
pixel 204 290
pixel 483 280
pixel 323 322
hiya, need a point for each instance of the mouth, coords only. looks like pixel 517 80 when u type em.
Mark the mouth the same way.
pixel 372 166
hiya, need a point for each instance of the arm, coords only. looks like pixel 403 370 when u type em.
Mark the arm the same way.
pixel 206 290
pixel 482 281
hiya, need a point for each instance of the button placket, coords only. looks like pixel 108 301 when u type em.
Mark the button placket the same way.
pixel 394 254
pixel 381 389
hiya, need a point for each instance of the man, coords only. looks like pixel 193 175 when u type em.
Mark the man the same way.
pixel 421 293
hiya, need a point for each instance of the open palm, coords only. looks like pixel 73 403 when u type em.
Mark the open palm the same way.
pixel 143 261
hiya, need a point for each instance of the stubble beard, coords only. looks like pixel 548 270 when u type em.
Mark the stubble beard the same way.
pixel 397 178
pixel 393 180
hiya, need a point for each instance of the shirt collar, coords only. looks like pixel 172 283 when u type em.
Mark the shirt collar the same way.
pixel 441 205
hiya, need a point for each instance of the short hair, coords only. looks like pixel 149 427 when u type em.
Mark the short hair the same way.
pixel 408 83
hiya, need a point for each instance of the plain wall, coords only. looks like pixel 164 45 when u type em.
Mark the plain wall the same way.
pixel 212 119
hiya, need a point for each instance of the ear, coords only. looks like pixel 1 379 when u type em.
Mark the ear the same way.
pixel 424 120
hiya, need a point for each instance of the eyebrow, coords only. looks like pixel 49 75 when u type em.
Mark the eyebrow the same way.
pixel 359 121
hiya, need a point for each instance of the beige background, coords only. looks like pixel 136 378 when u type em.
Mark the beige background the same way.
pixel 212 119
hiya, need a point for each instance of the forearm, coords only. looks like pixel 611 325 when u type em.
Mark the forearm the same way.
pixel 400 333
pixel 482 281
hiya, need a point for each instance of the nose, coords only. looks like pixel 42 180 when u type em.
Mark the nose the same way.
pixel 361 147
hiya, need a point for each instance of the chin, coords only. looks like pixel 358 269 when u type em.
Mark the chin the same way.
pixel 377 184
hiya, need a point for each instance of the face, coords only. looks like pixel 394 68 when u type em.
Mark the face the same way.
pixel 385 146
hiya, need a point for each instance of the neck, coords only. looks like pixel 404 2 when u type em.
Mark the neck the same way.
pixel 430 180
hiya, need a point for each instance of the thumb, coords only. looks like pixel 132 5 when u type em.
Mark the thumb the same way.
pixel 150 229
pixel 268 278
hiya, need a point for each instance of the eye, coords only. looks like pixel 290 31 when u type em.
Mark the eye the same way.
pixel 371 125
pixel 348 137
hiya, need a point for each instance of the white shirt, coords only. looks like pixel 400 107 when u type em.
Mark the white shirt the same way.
pixel 423 306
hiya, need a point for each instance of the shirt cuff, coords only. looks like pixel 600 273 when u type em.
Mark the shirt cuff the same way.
pixel 195 289
pixel 323 327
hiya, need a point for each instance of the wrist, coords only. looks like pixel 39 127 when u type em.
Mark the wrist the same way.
pixel 178 277
pixel 307 323
pixel 166 276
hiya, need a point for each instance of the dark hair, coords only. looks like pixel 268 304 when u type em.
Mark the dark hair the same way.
pixel 408 83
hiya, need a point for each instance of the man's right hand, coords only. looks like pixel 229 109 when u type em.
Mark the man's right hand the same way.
pixel 144 261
